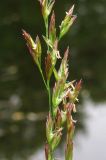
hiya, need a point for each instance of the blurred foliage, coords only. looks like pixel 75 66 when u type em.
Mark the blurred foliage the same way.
pixel 20 82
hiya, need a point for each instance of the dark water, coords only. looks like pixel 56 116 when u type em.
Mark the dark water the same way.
pixel 23 100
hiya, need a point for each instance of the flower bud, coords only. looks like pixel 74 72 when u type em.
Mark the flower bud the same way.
pixel 74 92
pixel 55 53
pixel 67 22
pixel 78 86
pixel 59 93
pixel 52 29
pixel 58 121
pixel 34 47
pixel 46 7
pixel 54 50
pixel 63 114
pixel 69 112
pixel 56 138
pixel 38 48
pixel 43 4
pixel 63 70
pixel 29 39
pixel 70 122
pixel 71 129
pixel 48 66
pixel 49 128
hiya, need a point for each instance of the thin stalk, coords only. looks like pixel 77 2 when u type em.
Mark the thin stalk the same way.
pixel 43 77
pixel 50 100
pixel 48 89
pixel 52 157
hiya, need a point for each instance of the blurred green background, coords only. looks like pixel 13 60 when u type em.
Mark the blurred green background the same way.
pixel 23 100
